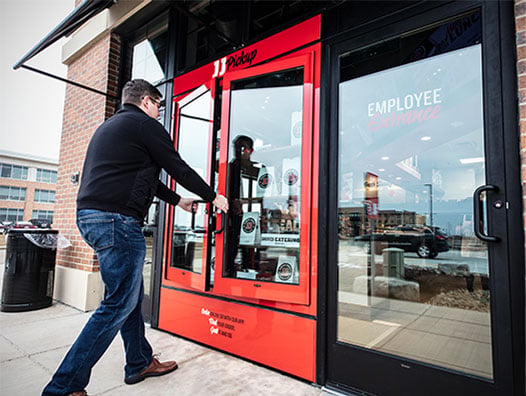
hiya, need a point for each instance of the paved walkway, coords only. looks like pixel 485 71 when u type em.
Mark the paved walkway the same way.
pixel 33 343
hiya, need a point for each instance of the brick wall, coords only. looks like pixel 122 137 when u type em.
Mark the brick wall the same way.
pixel 84 111
pixel 520 26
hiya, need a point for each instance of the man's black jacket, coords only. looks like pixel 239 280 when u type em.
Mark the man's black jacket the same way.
pixel 123 162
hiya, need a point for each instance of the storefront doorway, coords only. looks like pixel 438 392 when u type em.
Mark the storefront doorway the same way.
pixel 244 282
pixel 420 273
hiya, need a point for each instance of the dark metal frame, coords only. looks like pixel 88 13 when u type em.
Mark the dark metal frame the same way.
pixel 501 142
pixel 151 302
pixel 155 290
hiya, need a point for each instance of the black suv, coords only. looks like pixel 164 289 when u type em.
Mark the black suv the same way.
pixel 425 241
pixel 40 223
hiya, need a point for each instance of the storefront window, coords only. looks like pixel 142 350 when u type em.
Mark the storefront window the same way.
pixel 413 278
pixel 264 177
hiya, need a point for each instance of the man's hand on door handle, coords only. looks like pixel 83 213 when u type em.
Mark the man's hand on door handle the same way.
pixel 186 204
pixel 221 202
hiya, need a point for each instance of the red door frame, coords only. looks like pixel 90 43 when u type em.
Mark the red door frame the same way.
pixel 273 291
pixel 284 42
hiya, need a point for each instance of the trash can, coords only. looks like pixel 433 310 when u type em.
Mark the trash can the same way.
pixel 29 269
pixel 393 264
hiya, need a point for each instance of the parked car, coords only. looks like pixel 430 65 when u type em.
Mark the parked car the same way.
pixel 425 241
pixel 40 223
pixel 23 225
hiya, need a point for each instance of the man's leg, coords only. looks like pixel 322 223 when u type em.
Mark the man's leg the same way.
pixel 138 349
pixel 121 271
pixel 140 363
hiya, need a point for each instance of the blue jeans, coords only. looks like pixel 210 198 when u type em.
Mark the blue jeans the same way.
pixel 120 247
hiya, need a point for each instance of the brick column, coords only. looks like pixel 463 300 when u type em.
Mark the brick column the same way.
pixel 77 278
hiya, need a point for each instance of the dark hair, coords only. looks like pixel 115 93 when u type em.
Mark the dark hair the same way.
pixel 242 141
pixel 135 90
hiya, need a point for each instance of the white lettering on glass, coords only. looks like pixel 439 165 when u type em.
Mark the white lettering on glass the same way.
pixel 407 102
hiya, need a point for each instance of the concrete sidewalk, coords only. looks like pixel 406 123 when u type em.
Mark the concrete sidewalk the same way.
pixel 33 343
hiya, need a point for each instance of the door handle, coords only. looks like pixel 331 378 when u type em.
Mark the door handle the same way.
pixel 194 211
pixel 223 222
pixel 478 216
pixel 219 211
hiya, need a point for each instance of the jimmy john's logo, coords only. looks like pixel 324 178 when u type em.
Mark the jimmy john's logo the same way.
pixel 241 59
pixel 264 180
pixel 285 272
pixel 296 130
pixel 291 177
pixel 249 225
pixel 228 63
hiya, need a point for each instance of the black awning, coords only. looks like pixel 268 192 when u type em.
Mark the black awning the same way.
pixel 80 15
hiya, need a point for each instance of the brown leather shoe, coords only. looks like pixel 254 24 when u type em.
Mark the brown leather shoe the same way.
pixel 155 369
pixel 79 393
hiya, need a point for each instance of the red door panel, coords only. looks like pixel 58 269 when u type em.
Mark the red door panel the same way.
pixel 265 171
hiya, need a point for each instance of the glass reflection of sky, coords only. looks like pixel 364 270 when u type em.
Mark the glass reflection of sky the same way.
pixel 145 64
pixel 265 114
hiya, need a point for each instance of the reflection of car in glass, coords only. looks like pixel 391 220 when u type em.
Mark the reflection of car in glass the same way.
pixel 425 241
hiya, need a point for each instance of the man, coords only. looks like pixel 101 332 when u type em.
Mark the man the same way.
pixel 119 180
pixel 241 168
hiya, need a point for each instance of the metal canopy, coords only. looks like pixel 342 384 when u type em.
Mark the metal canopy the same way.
pixel 80 15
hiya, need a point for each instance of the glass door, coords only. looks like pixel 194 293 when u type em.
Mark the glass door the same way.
pixel 188 250
pixel 414 298
pixel 264 172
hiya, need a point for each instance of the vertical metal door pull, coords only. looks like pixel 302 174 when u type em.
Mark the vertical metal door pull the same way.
pixel 478 216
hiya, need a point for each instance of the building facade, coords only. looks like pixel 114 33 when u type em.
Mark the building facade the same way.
pixel 382 233
pixel 27 187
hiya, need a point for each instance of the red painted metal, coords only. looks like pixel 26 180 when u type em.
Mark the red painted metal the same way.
pixel 299 294
pixel 280 43
pixel 271 331
pixel 276 339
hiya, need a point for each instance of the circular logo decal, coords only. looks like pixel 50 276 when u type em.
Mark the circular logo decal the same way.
pixel 296 130
pixel 291 177
pixel 265 180
pixel 249 225
pixel 285 271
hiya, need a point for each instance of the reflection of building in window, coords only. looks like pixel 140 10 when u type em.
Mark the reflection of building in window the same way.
pixel 353 221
